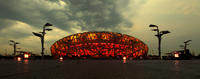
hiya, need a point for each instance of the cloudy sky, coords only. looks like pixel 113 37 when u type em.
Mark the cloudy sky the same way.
pixel 19 18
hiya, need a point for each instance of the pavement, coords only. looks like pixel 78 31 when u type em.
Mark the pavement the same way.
pixel 100 69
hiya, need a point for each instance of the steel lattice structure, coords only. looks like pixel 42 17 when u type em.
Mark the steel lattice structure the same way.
pixel 99 44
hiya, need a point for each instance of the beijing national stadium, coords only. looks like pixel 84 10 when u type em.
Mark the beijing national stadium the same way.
pixel 99 45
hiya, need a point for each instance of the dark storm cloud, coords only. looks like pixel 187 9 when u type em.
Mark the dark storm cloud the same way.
pixel 86 14
pixel 20 10
pixel 97 13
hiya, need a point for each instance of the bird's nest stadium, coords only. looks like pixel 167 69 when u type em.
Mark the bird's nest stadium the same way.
pixel 99 45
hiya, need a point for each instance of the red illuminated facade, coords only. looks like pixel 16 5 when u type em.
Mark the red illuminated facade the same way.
pixel 99 44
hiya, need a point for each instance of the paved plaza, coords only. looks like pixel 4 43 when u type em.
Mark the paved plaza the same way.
pixel 100 69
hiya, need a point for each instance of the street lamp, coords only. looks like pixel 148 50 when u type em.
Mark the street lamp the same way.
pixel 14 46
pixel 41 35
pixel 159 36
pixel 185 46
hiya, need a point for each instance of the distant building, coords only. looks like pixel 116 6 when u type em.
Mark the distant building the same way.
pixel 181 54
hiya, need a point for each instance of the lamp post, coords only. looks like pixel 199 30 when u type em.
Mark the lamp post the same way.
pixel 14 46
pixel 185 46
pixel 41 35
pixel 159 36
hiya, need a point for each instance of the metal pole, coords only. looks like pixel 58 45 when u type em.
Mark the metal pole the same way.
pixel 159 46
pixel 41 35
pixel 42 41
pixel 14 45
pixel 159 35
pixel 159 41
pixel 185 47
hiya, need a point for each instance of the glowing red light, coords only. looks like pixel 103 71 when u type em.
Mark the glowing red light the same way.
pixel 176 55
pixel 124 58
pixel 26 56
pixel 19 59
pixel 61 58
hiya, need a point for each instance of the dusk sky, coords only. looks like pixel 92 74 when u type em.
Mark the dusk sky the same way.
pixel 19 18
